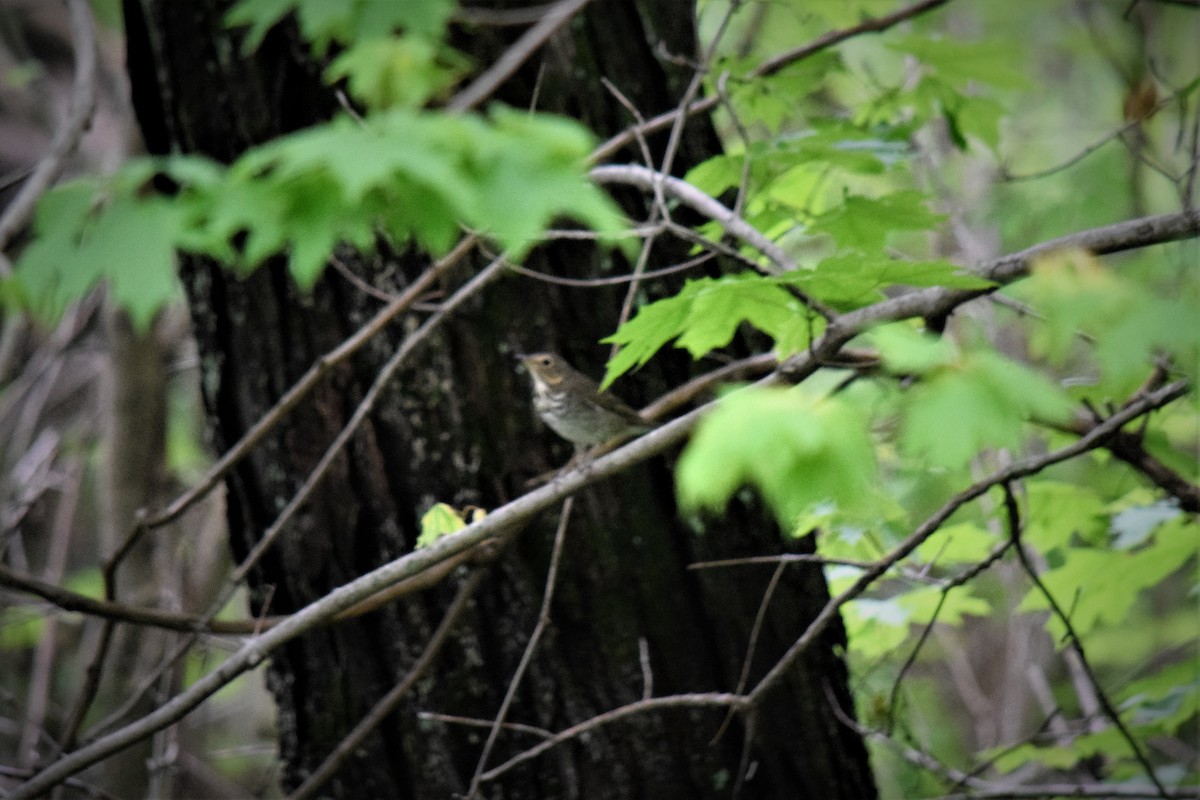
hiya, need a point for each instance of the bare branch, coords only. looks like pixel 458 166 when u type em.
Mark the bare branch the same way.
pixel 389 702
pixel 1128 235
pixel 768 67
pixel 504 66
pixel 640 707
pixel 1073 640
pixel 1015 471
pixel 296 393
pixel 560 536
pixel 83 104
pixel 648 179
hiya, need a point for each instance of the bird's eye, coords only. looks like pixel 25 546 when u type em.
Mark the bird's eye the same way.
pixel 544 361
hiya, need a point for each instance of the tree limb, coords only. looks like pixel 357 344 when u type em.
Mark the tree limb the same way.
pixel 66 140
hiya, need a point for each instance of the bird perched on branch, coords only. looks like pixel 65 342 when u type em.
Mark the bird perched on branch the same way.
pixel 573 405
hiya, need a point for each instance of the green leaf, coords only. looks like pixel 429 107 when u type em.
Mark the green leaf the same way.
pixel 905 350
pixel 962 62
pixel 963 543
pixel 260 16
pixel 20 629
pixel 798 451
pixel 1101 586
pixel 982 401
pixel 440 520
pixel 853 279
pixel 1133 525
pixel 1078 295
pixel 1053 757
pixel 401 71
pixel 864 224
pixel 89 231
pixel 1062 512
pixel 419 175
pixel 877 627
pixel 704 317
pixel 346 21
pixel 1166 699
pixel 654 325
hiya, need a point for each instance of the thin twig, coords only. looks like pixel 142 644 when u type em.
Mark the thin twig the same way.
pixel 1087 151
pixel 66 140
pixel 482 87
pixel 560 536
pixel 752 644
pixel 768 67
pixel 1015 471
pixel 963 577
pixel 1073 640
pixel 390 701
pixel 615 280
pixel 783 558
pixel 292 397
pixel 700 700
pixel 471 722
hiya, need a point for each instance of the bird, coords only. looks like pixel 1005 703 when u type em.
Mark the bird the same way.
pixel 573 405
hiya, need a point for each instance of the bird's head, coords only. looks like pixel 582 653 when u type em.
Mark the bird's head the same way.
pixel 545 368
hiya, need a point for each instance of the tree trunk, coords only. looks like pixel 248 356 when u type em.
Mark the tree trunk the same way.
pixel 456 426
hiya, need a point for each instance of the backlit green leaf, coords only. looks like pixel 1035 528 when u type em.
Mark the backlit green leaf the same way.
pixel 798 451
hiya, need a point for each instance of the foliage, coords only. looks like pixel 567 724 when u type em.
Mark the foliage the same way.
pixel 859 163
pixel 442 519
pixel 825 156
pixel 413 175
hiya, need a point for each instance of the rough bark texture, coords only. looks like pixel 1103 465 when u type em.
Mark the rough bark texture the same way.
pixel 456 426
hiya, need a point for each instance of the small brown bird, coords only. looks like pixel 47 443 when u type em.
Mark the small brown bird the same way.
pixel 573 405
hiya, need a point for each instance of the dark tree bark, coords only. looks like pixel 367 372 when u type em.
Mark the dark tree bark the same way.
pixel 457 427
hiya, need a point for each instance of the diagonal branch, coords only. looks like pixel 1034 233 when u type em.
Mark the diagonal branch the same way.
pixel 483 86
pixel 1020 469
pixel 768 67
pixel 560 536
pixel 1073 640
pixel 936 302
pixel 388 703
pixel 509 517
pixel 83 104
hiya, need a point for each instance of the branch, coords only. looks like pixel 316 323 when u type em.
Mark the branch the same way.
pixel 1131 448
pixel 508 63
pixel 388 703
pixel 292 397
pixel 512 515
pixel 648 180
pixel 698 700
pixel 651 181
pixel 560 536
pixel 1073 640
pixel 768 67
pixel 1015 471
pixel 68 600
pixel 66 140
pixel 935 302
